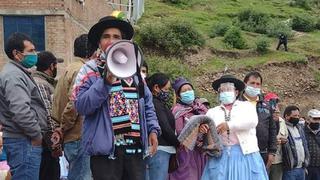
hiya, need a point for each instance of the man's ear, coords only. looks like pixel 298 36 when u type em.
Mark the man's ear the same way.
pixel 286 117
pixel 15 54
pixel 156 88
pixel 52 67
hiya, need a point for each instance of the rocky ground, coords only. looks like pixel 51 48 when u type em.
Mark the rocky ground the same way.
pixel 294 82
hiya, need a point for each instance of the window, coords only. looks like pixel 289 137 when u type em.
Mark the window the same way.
pixel 30 25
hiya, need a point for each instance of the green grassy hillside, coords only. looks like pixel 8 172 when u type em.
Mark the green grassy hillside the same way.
pixel 203 14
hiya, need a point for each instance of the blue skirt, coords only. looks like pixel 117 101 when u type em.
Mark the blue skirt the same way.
pixel 234 165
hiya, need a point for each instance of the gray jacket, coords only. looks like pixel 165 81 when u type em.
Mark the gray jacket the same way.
pixel 22 111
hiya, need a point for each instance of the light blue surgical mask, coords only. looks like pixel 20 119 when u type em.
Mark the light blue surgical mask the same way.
pixel 187 97
pixel 227 97
pixel 29 60
pixel 252 91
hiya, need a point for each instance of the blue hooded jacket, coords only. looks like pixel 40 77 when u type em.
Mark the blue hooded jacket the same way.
pixel 90 95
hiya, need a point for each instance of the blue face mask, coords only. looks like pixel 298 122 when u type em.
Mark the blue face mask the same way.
pixel 252 92
pixel 187 97
pixel 227 97
pixel 29 60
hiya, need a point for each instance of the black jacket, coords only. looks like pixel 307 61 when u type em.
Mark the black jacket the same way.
pixel 167 124
pixel 266 129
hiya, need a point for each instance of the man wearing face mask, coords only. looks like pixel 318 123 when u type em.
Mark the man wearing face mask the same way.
pixel 295 153
pixel 266 128
pixel 312 131
pixel 22 109
pixel 276 169
pixel 46 69
pixel 120 124
pixel 44 77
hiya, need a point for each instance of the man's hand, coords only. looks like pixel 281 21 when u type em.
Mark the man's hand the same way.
pixel 110 79
pixel 270 160
pixel 222 128
pixel 283 140
pixel 36 142
pixel 153 143
pixel 204 128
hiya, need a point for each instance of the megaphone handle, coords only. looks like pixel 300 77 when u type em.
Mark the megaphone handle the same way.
pixel 108 76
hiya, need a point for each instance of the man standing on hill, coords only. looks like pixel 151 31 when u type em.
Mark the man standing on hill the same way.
pixel 266 128
pixel 283 40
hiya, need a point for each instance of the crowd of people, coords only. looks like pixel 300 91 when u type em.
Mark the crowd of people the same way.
pixel 110 128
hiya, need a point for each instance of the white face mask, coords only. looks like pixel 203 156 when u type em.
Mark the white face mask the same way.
pixel 227 97
pixel 252 92
pixel 143 75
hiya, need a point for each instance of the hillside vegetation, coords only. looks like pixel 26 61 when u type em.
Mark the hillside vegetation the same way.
pixel 200 38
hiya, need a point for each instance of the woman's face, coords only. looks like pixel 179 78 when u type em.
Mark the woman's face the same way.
pixel 184 88
pixel 157 89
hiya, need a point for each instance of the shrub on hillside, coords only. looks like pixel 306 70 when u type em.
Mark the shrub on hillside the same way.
pixel 318 24
pixel 262 45
pixel 234 39
pixel 172 37
pixel 173 1
pixel 304 23
pixel 219 29
pixel 253 21
pixel 306 4
pixel 277 27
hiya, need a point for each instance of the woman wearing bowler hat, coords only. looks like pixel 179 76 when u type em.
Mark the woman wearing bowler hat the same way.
pixel 236 124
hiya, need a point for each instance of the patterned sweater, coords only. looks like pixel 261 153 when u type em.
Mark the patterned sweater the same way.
pixel 123 99
pixel 314 147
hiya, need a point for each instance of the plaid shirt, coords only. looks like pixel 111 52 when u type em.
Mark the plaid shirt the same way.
pixel 45 85
pixel 314 147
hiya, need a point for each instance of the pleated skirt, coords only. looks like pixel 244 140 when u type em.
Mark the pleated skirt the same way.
pixel 234 165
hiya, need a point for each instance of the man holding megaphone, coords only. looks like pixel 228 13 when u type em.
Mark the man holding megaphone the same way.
pixel 120 126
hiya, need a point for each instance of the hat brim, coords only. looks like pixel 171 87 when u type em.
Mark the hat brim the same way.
pixel 96 31
pixel 237 83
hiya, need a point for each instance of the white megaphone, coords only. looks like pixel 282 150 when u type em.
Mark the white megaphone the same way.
pixel 122 60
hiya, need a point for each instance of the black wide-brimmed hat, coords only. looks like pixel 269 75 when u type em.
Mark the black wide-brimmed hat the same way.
pixel 239 85
pixel 96 30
